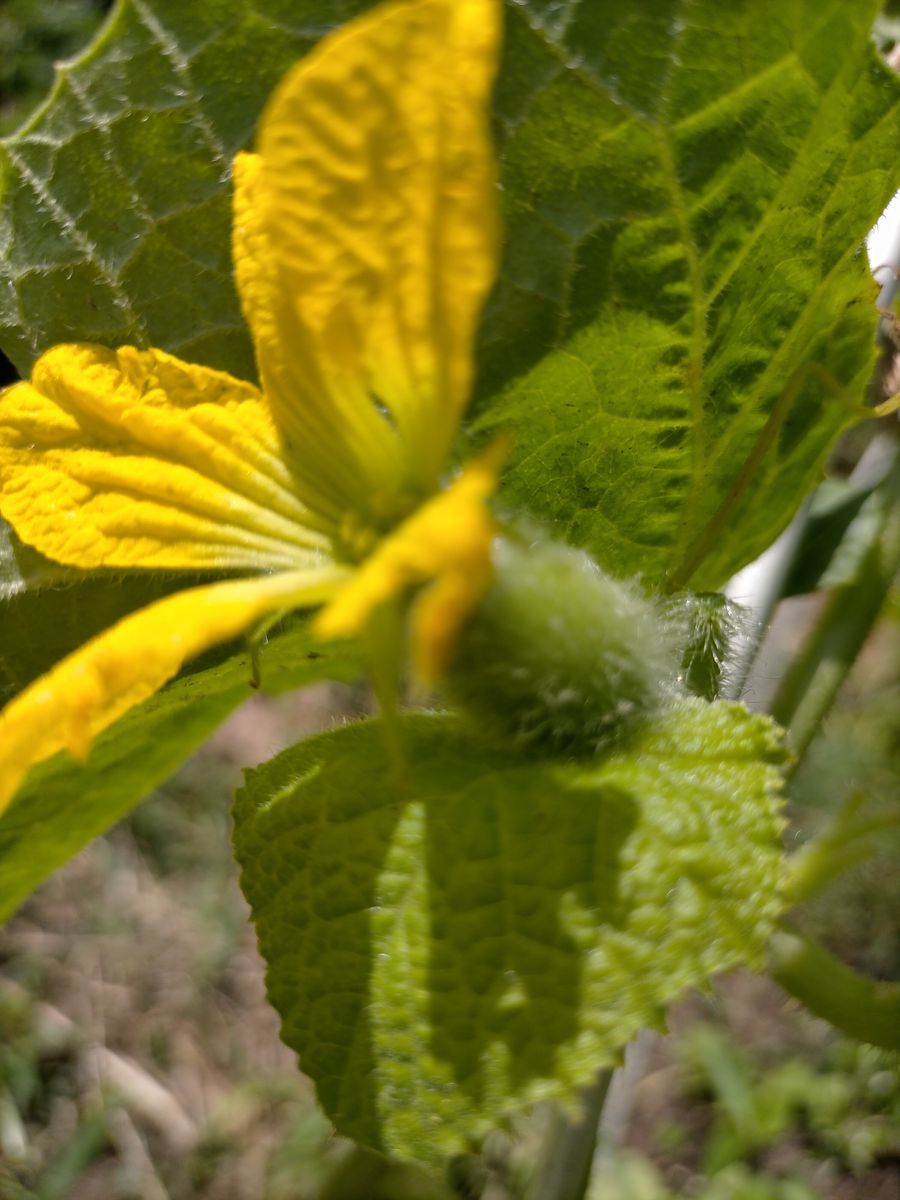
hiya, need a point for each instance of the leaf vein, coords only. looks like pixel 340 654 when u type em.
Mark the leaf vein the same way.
pixel 171 51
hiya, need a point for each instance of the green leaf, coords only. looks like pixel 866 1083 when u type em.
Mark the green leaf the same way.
pixel 115 218
pixel 64 804
pixel 842 522
pixel 452 933
pixel 685 191
pixel 686 194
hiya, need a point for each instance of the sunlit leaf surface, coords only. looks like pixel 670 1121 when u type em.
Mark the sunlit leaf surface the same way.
pixel 686 187
pixel 452 932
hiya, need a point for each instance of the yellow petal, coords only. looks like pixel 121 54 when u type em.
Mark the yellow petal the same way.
pixel 342 455
pixel 132 458
pixel 446 545
pixel 70 705
pixel 373 241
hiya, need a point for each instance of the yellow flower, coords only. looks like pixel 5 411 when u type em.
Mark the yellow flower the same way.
pixel 364 243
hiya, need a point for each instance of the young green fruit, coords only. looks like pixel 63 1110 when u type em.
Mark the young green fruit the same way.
pixel 560 658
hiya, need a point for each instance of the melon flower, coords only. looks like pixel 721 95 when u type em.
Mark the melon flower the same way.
pixel 364 242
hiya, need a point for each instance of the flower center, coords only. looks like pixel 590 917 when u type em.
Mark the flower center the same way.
pixel 359 534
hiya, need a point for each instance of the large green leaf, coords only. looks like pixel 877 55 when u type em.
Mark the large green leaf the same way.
pixel 452 932
pixel 685 185
pixel 115 219
pixel 686 193
pixel 63 803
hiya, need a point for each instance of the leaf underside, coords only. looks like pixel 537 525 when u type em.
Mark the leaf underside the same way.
pixel 457 935
pixel 687 190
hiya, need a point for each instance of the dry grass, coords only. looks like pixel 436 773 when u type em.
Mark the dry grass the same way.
pixel 140 1057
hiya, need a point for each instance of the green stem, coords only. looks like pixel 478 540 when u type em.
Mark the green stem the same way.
pixel 811 682
pixel 862 1008
pixel 816 864
pixel 568 1147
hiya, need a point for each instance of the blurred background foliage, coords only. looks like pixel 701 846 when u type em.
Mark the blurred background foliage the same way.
pixel 139 1060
